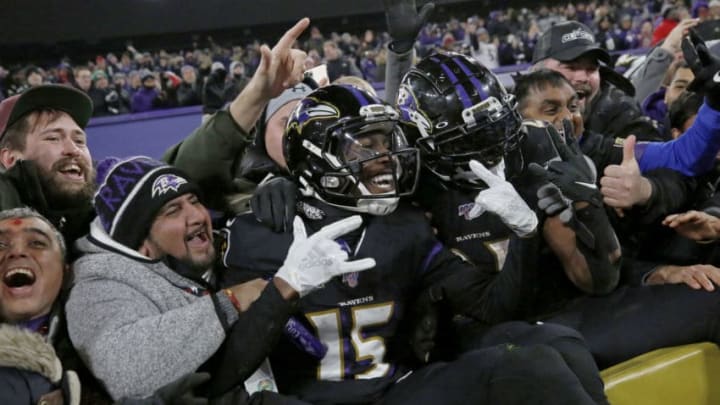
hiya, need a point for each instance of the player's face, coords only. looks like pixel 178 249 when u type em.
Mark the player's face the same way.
pixel 551 104
pixel 376 173
pixel 583 74
pixel 182 229
pixel 31 269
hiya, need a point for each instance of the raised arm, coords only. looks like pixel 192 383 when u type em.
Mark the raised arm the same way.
pixel 212 153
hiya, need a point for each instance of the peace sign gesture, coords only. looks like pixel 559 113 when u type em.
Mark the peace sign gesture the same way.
pixel 501 199
pixel 312 261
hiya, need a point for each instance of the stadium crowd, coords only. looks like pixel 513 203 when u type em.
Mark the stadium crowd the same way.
pixel 132 80
pixel 310 242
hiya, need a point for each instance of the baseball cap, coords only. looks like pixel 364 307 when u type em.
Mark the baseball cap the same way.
pixel 49 96
pixel 146 74
pixel 567 41
pixel 99 74
pixel 217 66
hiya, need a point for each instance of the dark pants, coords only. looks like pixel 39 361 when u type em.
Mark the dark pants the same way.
pixel 565 341
pixel 635 320
pixel 239 396
pixel 502 374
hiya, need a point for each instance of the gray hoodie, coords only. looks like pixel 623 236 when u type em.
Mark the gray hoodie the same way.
pixel 132 321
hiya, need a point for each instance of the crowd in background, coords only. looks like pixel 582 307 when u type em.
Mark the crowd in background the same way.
pixel 132 80
pixel 606 185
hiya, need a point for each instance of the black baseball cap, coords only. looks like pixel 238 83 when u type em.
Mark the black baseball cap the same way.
pixel 48 96
pixel 567 41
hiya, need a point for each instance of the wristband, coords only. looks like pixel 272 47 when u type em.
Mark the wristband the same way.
pixel 304 339
pixel 232 299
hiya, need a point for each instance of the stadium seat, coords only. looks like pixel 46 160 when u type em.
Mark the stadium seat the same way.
pixel 675 375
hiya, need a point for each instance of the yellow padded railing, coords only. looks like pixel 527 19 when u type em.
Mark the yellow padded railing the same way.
pixel 682 375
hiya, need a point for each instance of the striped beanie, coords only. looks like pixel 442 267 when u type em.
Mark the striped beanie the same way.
pixel 132 191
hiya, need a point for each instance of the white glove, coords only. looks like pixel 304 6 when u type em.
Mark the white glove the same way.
pixel 312 261
pixel 503 200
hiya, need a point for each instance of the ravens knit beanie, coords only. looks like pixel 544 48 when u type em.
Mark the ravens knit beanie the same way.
pixel 132 191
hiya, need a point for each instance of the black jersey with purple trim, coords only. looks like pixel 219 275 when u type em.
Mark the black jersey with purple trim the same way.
pixel 483 240
pixel 358 316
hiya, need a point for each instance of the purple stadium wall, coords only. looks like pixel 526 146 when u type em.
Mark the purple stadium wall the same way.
pixel 148 133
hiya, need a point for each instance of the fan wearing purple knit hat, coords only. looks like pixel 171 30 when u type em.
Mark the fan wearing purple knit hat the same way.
pixel 145 307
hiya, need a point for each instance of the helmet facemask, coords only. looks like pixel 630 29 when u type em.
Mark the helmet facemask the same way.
pixel 458 111
pixel 369 163
pixel 490 131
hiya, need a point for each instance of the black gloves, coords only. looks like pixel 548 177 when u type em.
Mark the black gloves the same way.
pixel 574 174
pixel 417 332
pixel 404 22
pixel 273 203
pixel 552 202
pixel 422 337
pixel 569 180
pixel 706 68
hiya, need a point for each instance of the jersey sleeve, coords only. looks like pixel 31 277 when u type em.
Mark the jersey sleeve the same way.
pixel 480 291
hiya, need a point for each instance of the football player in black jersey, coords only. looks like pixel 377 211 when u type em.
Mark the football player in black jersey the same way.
pixel 648 317
pixel 458 112
pixel 348 155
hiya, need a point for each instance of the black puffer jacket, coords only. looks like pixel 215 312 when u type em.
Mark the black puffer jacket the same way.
pixel 20 187
pixel 615 114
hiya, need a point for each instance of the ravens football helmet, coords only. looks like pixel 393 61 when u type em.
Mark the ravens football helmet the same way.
pixel 345 147
pixel 458 110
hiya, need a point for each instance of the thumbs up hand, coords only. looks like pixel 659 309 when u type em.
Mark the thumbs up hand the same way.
pixel 622 186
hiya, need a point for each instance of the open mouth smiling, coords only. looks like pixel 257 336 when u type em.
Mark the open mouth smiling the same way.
pixel 19 278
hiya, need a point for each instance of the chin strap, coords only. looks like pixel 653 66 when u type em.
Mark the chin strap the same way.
pixel 377 206
pixel 372 206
